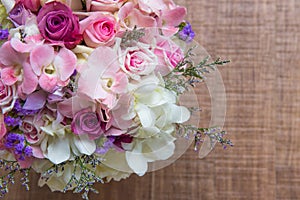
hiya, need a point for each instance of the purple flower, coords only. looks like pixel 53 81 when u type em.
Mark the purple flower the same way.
pixel 19 148
pixel 13 122
pixel 88 122
pixel 21 111
pixel 19 14
pixel 186 33
pixel 58 25
pixel 12 139
pixel 28 151
pixel 16 142
pixel 4 34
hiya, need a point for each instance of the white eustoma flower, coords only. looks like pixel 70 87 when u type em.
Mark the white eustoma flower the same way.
pixel 159 147
pixel 59 145
pixel 57 181
pixel 157 113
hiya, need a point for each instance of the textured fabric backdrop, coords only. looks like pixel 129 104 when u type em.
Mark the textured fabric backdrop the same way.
pixel 262 38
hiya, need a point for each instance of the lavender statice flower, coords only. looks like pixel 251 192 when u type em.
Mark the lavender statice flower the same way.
pixel 12 139
pixel 3 34
pixel 16 142
pixel 186 32
pixel 13 122
pixel 28 151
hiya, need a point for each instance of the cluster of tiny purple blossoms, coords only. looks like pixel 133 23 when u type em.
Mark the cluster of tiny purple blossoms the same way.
pixel 13 141
pixel 186 33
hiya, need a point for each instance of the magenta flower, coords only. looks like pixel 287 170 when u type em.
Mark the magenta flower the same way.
pixel 58 25
pixel 88 122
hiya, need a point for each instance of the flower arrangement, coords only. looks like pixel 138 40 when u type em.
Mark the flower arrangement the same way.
pixel 89 85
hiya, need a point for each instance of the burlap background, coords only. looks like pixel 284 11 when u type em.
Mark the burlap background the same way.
pixel 262 38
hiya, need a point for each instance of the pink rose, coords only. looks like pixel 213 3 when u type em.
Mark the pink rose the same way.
pixel 31 131
pixel 32 5
pixel 88 122
pixel 58 25
pixel 169 55
pixel 7 97
pixel 99 29
pixel 139 60
pixel 104 5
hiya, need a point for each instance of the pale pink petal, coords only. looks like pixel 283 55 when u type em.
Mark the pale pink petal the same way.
pixel 110 100
pixel 73 105
pixel 37 152
pixel 30 80
pixel 102 60
pixel 108 58
pixel 41 56
pixel 120 83
pixel 114 132
pixel 8 76
pixel 173 17
pixel 169 31
pixel 138 19
pixel 65 63
pixel 21 46
pixel 48 83
pixel 9 57
pixel 130 17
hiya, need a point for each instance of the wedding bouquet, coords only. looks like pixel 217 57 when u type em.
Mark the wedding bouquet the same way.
pixel 89 90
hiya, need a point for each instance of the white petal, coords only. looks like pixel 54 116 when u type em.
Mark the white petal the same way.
pixel 162 147
pixel 137 162
pixel 180 114
pixel 85 145
pixel 58 150
pixel 147 117
pixel 154 98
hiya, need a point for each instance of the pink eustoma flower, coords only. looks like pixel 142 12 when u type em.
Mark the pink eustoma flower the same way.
pixel 16 69
pixel 53 68
pixel 103 78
